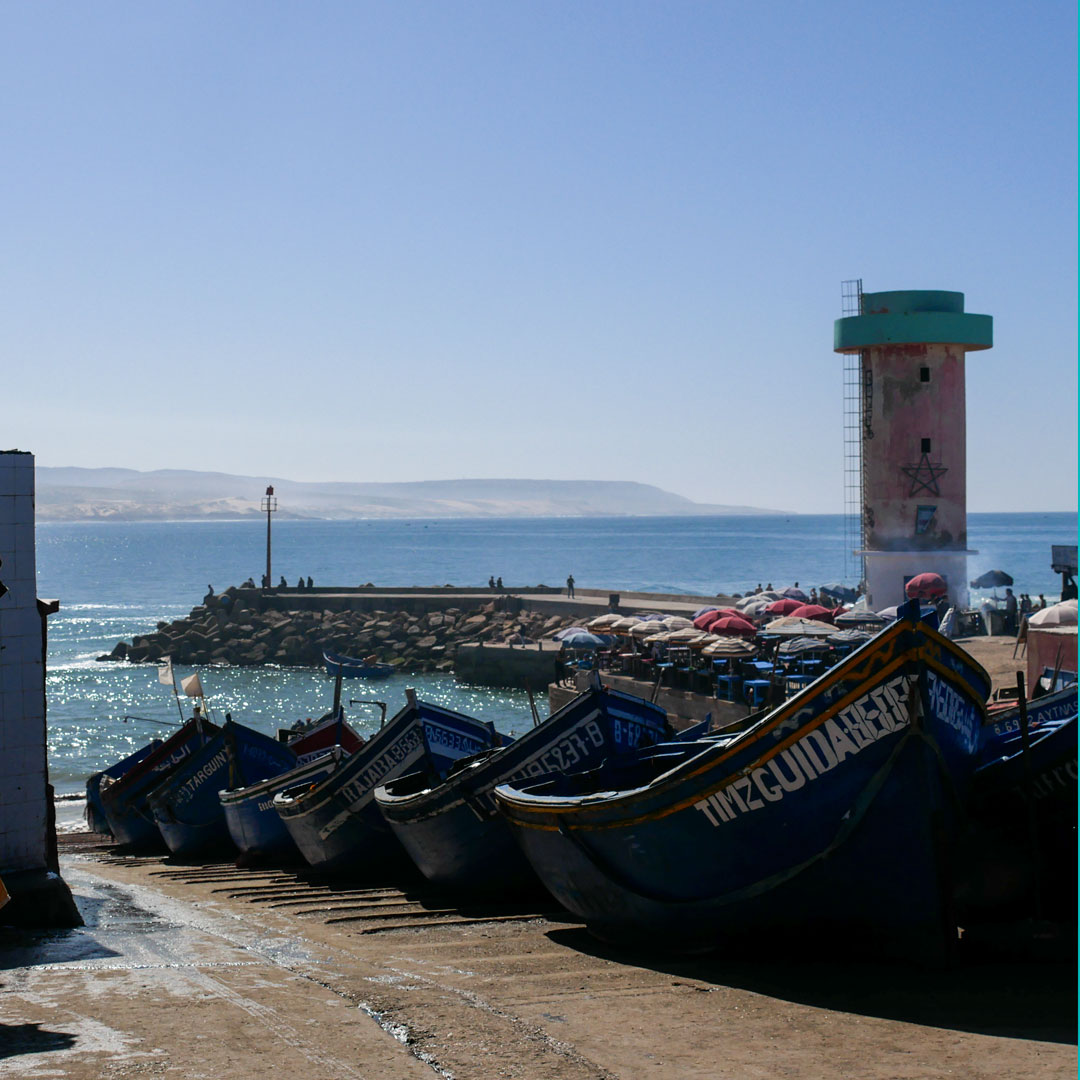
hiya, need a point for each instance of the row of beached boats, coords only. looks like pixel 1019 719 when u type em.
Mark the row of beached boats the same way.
pixel 851 813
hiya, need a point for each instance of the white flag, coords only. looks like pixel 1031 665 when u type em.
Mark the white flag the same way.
pixel 164 673
pixel 192 686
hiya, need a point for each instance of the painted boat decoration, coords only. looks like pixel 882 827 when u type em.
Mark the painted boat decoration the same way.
pixel 125 799
pixel 254 825
pixel 336 824
pixel 1021 846
pixel 351 668
pixel 1001 734
pixel 820 815
pixel 453 831
pixel 185 805
pixel 95 810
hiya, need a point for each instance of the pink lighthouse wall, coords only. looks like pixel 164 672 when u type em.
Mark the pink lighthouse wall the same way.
pixel 914 436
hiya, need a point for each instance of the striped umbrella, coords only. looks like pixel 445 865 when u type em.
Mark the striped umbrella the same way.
pixel 602 622
pixel 851 637
pixel 789 627
pixel 797 646
pixel 730 647
pixel 624 625
pixel 755 609
pixel 677 622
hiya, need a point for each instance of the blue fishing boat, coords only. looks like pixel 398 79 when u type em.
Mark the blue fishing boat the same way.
pixel 453 831
pixel 826 823
pixel 351 668
pixel 95 810
pixel 336 824
pixel 254 825
pixel 1001 734
pixel 185 805
pixel 1021 843
pixel 124 800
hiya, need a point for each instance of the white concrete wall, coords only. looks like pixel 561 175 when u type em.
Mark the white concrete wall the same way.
pixel 886 570
pixel 23 808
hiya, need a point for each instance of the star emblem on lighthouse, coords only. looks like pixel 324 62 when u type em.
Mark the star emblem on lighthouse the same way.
pixel 924 475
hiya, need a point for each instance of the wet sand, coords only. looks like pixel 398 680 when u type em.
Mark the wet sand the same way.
pixel 214 971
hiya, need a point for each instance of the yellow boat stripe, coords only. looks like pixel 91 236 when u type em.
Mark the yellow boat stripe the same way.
pixel 656 815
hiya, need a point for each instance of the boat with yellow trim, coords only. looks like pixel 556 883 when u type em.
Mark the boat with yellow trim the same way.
pixel 827 821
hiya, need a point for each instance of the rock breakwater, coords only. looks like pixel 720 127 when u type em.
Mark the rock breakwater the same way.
pixel 223 630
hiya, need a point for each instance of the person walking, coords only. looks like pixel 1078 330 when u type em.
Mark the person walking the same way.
pixel 570 586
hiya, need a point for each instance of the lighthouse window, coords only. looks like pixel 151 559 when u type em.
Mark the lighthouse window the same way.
pixel 924 516
pixel 925 448
pixel 924 374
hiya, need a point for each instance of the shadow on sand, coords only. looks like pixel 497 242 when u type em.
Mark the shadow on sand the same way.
pixel 983 996
pixel 19 1039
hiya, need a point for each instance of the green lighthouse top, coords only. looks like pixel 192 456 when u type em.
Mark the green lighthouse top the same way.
pixel 913 317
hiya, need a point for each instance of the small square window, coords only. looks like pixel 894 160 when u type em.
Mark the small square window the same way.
pixel 924 374
pixel 925 446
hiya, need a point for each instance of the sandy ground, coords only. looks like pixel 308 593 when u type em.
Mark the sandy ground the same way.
pixel 214 971
pixel 996 655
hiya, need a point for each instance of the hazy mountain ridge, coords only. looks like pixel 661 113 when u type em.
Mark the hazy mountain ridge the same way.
pixel 77 494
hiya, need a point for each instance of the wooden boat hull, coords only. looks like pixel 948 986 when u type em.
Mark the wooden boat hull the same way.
pixel 254 825
pixel 125 800
pixel 95 809
pixel 805 828
pixel 337 826
pixel 185 805
pixel 1022 839
pixel 453 831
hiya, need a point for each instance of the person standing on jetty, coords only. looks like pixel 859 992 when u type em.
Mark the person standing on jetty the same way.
pixel 570 586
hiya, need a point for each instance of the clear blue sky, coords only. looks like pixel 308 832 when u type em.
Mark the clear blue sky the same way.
pixel 597 240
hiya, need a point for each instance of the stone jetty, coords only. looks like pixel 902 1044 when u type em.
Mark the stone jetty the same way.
pixel 236 627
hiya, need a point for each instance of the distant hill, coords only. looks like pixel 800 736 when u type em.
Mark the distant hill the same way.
pixel 74 494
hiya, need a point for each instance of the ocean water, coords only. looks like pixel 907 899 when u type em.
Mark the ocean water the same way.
pixel 115 580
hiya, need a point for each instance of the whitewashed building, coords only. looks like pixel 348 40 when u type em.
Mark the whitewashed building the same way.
pixel 28 864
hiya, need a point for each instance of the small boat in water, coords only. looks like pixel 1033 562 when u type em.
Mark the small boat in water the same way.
pixel 453 830
pixel 349 667
pixel 124 800
pixel 336 824
pixel 255 826
pixel 185 804
pixel 827 823
pixel 95 809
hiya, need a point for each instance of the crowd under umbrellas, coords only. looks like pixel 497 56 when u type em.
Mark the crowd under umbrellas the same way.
pixel 722 649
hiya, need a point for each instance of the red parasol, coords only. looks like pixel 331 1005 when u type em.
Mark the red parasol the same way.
pixel 813 611
pixel 926 587
pixel 733 626
pixel 718 613
pixel 784 607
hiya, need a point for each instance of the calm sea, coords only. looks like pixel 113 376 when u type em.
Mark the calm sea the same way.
pixel 115 580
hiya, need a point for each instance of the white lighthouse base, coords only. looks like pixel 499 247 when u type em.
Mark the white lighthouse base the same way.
pixel 887 572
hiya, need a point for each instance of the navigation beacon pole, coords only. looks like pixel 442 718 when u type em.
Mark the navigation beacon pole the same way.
pixel 268 505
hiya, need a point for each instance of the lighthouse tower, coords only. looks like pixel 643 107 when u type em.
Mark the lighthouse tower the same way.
pixel 910 350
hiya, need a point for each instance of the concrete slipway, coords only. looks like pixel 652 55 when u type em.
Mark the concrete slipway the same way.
pixel 215 971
